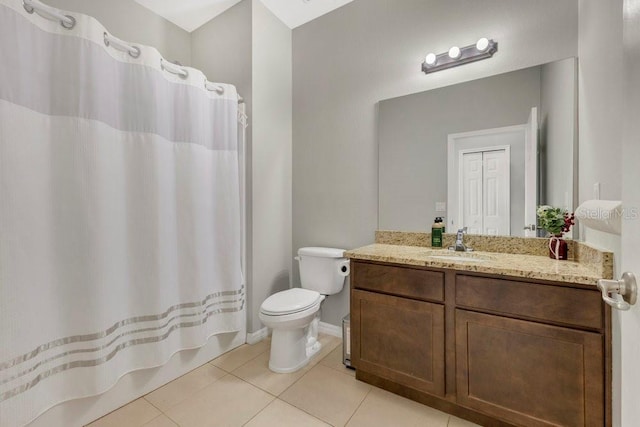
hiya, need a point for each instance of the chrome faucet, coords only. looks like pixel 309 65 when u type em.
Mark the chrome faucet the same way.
pixel 460 247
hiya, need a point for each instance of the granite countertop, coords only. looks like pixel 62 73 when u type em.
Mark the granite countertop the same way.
pixel 514 265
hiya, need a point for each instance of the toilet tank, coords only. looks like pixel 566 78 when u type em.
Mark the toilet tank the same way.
pixel 323 269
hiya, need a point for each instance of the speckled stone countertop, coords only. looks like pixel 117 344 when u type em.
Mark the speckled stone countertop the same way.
pixel 514 265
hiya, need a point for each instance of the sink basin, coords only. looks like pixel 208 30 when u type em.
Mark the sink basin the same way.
pixel 461 257
pixel 454 258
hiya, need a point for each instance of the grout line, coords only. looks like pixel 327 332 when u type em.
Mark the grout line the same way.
pixel 253 385
pixel 305 411
pixel 172 420
pixel 260 411
pixel 150 403
pixel 359 405
pixel 250 360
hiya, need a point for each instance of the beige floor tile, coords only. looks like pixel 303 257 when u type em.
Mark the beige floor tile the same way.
pixel 327 394
pixel 281 414
pixel 185 386
pixel 257 372
pixel 134 414
pixel 161 421
pixel 227 402
pixel 381 408
pixel 457 422
pixel 241 355
pixel 329 343
pixel 334 360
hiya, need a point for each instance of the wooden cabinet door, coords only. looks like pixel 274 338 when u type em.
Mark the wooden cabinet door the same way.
pixel 399 339
pixel 528 373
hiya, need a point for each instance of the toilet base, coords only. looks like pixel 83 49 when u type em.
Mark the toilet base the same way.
pixel 291 349
pixel 298 354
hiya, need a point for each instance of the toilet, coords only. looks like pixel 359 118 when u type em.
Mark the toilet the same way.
pixel 293 315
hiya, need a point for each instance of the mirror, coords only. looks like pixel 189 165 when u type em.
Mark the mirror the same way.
pixel 482 154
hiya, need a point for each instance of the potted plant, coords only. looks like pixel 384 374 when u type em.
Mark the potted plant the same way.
pixel 556 221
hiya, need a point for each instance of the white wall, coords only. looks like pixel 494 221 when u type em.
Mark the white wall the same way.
pixel 601 111
pixel 132 22
pixel 348 60
pixel 271 157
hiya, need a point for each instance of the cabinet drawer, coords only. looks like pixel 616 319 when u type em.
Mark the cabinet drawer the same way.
pixel 558 304
pixel 402 281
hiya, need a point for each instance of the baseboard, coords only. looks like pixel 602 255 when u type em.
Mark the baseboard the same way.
pixel 329 329
pixel 257 336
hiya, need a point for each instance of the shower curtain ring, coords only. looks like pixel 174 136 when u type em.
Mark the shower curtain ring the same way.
pixel 71 24
pixel 134 52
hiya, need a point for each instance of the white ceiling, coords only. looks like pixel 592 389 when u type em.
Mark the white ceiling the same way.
pixel 191 14
pixel 297 12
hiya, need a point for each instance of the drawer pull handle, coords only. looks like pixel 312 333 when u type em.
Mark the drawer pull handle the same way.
pixel 626 287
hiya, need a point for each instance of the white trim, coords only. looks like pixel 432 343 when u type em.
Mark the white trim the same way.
pixel 329 329
pixel 257 336
pixel 531 190
pixel 453 213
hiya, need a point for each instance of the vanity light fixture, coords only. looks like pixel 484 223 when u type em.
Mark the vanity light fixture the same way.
pixel 482 49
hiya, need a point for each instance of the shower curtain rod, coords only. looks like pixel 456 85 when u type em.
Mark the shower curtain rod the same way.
pixel 68 22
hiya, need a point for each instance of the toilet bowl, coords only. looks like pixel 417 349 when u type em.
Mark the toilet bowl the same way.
pixel 293 315
pixel 293 342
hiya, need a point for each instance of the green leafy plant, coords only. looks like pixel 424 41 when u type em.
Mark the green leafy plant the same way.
pixel 555 220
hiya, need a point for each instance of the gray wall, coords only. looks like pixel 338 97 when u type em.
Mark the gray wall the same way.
pixel 601 159
pixel 630 321
pixel 271 198
pixel 558 133
pixel 132 22
pixel 600 107
pixel 251 48
pixel 221 48
pixel 412 137
pixel 348 60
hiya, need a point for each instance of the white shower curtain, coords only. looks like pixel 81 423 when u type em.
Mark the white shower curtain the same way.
pixel 119 212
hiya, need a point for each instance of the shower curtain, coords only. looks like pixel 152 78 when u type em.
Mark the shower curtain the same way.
pixel 119 210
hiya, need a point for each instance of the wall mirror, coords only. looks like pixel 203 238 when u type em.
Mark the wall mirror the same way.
pixel 482 154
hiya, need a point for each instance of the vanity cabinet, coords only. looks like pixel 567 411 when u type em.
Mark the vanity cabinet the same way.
pixel 400 312
pixel 497 351
pixel 401 339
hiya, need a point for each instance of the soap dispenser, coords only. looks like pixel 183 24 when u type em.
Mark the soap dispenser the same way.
pixel 437 229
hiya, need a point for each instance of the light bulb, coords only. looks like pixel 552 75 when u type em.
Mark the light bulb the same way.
pixel 482 44
pixel 431 59
pixel 454 52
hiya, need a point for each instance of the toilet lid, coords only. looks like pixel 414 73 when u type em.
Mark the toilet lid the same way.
pixel 290 301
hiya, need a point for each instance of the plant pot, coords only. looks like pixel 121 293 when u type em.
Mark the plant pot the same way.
pixel 558 247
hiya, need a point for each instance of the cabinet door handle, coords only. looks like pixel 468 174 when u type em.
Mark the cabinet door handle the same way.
pixel 626 287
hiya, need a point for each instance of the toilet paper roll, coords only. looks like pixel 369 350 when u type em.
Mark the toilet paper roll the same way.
pixel 601 215
pixel 345 268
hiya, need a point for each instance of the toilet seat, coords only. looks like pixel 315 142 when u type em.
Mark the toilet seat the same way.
pixel 291 301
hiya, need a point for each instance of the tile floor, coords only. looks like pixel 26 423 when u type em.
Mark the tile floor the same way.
pixel 237 389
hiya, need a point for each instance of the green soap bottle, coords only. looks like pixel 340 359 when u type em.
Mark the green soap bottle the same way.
pixel 437 229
